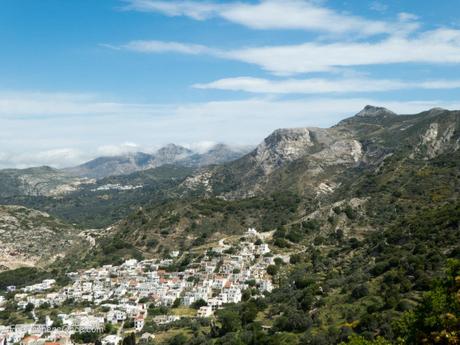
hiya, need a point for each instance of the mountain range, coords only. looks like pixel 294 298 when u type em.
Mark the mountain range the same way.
pixel 170 154
pixel 47 181
pixel 363 162
pixel 315 160
pixel 366 212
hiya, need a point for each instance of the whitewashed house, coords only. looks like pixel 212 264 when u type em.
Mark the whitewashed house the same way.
pixel 205 311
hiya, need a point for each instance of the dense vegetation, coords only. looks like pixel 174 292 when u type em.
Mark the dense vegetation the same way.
pixel 21 276
pixel 188 223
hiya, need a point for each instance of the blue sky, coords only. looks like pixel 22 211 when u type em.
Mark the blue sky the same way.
pixel 82 78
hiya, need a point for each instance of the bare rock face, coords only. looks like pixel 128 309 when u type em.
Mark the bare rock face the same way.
pixel 284 145
pixel 346 151
pixel 200 180
pixel 325 146
pixel 318 149
pixel 436 140
pixel 316 158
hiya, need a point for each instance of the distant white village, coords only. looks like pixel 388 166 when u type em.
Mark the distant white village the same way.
pixel 120 294
pixel 116 186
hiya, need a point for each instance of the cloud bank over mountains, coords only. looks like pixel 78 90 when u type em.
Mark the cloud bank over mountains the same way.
pixel 77 132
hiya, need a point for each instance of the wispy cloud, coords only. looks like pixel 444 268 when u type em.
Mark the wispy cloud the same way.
pixel 61 157
pixel 378 6
pixel 275 14
pixel 120 149
pixel 168 47
pixel 318 86
pixel 49 104
pixel 196 10
pixel 439 46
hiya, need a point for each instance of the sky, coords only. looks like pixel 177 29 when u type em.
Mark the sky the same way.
pixel 86 78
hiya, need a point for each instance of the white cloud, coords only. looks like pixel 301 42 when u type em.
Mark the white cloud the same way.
pixel 439 46
pixel 195 10
pixel 53 157
pixel 31 137
pixel 201 146
pixel 274 14
pixel 58 104
pixel 167 47
pixel 116 150
pixel 378 6
pixel 407 17
pixel 318 86
pixel 62 157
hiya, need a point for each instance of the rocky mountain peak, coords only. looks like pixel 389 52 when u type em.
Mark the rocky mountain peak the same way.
pixel 283 145
pixel 169 154
pixel 173 149
pixel 436 111
pixel 372 111
pixel 286 141
pixel 290 138
pixel 219 147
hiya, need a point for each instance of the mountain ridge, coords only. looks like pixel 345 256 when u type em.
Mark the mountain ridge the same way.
pixel 170 154
pixel 358 140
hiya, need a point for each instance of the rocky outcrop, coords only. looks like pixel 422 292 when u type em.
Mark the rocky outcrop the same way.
pixel 437 140
pixel 283 145
pixel 326 146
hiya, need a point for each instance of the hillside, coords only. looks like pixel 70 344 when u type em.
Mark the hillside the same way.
pixel 375 167
pixel 108 200
pixel 40 181
pixel 32 238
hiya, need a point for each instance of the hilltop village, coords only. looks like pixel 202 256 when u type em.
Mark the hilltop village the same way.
pixel 130 298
